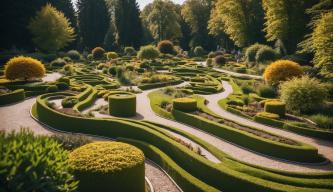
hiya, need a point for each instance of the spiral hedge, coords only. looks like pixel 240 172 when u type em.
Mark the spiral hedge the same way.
pixel 108 166
pixel 122 104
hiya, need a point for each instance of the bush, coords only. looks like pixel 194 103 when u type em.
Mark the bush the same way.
pixel 266 53
pixel 113 70
pixel 71 141
pixel 12 97
pixel 322 121
pixel 247 89
pixel 251 52
pixel 90 57
pixel 33 162
pixel 58 62
pixel 185 104
pixel 199 51
pixel 266 91
pixel 69 102
pixel 130 51
pixel 281 70
pixel 209 62
pixel 268 115
pixel 65 80
pixel 62 86
pixel 220 60
pixel 24 68
pixel 112 55
pixel 52 88
pixel 98 53
pixel 148 52
pixel 276 107
pixel 74 55
pixel 166 47
pixel 122 104
pixel 303 94
pixel 108 166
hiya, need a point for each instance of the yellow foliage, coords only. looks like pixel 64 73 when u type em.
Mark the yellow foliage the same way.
pixel 24 68
pixel 282 70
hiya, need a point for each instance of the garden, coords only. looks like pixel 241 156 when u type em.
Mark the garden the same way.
pixel 199 96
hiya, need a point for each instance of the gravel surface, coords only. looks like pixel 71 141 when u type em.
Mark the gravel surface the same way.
pixel 52 77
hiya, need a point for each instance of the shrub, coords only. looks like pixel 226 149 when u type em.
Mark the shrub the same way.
pixel 112 55
pixel 90 57
pixel 209 62
pixel 130 51
pixel 247 89
pixel 199 51
pixel 108 166
pixel 220 60
pixel 24 68
pixel 166 47
pixel 65 80
pixel 276 107
pixel 122 104
pixel 113 70
pixel 51 30
pixel 303 94
pixel 322 121
pixel 52 88
pixel 62 86
pixel 67 59
pixel 281 70
pixel 211 55
pixel 69 102
pixel 148 52
pixel 266 91
pixel 266 53
pixel 251 52
pixel 33 162
pixel 74 55
pixel 71 141
pixel 185 104
pixel 58 62
pixel 268 115
pixel 98 53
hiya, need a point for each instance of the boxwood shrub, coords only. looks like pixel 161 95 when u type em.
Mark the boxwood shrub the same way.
pixel 276 107
pixel 185 104
pixel 122 104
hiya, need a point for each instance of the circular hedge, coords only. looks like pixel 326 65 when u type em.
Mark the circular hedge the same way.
pixel 108 166
pixel 185 104
pixel 122 104
pixel 276 107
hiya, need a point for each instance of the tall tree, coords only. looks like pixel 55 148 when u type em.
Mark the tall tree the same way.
pixel 162 20
pixel 242 20
pixel 286 21
pixel 94 22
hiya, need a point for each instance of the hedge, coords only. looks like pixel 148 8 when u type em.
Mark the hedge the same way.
pixel 276 107
pixel 185 104
pixel 12 97
pixel 159 84
pixel 122 104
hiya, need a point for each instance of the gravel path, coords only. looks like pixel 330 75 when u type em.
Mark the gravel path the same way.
pixel 52 77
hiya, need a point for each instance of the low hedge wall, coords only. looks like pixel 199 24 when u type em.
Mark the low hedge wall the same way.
pixel 158 85
pixel 185 104
pixel 12 97
pixel 88 101
pixel 301 153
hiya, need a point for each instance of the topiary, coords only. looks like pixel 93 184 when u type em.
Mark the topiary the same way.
pixel 108 166
pixel 58 62
pixel 122 104
pixel 98 53
pixel 74 55
pixel 281 70
pixel 33 163
pixel 251 52
pixel 69 102
pixel 266 53
pixel 199 51
pixel 129 51
pixel 111 55
pixel 220 60
pixel 148 52
pixel 266 91
pixel 24 68
pixel 185 104
pixel 303 94
pixel 209 62
pixel 276 107
pixel 166 47
pixel 52 88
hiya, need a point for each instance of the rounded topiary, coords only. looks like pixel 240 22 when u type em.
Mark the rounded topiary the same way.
pixel 98 53
pixel 303 94
pixel 69 102
pixel 199 51
pixel 166 47
pixel 24 68
pixel 265 54
pixel 74 55
pixel 276 107
pixel 281 70
pixel 122 104
pixel 111 55
pixel 209 62
pixel 251 52
pixel 220 60
pixel 148 52
pixel 129 51
pixel 58 62
pixel 185 104
pixel 108 166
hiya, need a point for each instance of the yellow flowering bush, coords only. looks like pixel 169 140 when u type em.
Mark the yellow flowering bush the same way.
pixel 282 70
pixel 24 68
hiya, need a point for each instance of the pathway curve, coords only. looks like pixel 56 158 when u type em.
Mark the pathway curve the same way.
pixel 51 77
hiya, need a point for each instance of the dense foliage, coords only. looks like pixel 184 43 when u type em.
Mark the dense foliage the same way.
pixel 166 47
pixel 24 68
pixel 281 70
pixel 148 52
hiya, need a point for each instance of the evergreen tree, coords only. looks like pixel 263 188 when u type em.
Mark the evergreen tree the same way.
pixel 94 22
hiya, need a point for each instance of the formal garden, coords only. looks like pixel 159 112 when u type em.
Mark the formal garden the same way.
pixel 202 96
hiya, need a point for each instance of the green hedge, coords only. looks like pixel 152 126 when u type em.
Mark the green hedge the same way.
pixel 122 104
pixel 321 134
pixel 158 85
pixel 12 97
pixel 276 107
pixel 185 104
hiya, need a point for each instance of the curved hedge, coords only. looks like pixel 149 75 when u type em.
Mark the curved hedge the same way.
pixel 122 104
pixel 185 104
pixel 108 166
pixel 12 97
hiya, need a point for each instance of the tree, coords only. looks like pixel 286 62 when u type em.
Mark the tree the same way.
pixel 94 22
pixel 51 29
pixel 286 21
pixel 240 19
pixel 162 20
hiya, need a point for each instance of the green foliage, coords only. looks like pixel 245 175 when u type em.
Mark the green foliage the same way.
pixel 220 60
pixel 69 102
pixel 59 62
pixel 71 141
pixel 251 52
pixel 129 51
pixel 12 97
pixel 302 95
pixel 265 54
pixel 185 104
pixel 51 29
pixel 323 121
pixel 98 53
pixel 276 107
pixel 111 55
pixel 24 68
pixel 74 55
pixel 166 47
pixel 52 88
pixel 148 52
pixel 33 163
pixel 266 91
pixel 122 104
pixel 199 51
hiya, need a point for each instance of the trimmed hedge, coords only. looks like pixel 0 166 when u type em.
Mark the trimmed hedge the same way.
pixel 122 104
pixel 12 97
pixel 185 104
pixel 276 107
pixel 108 166
pixel 159 84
